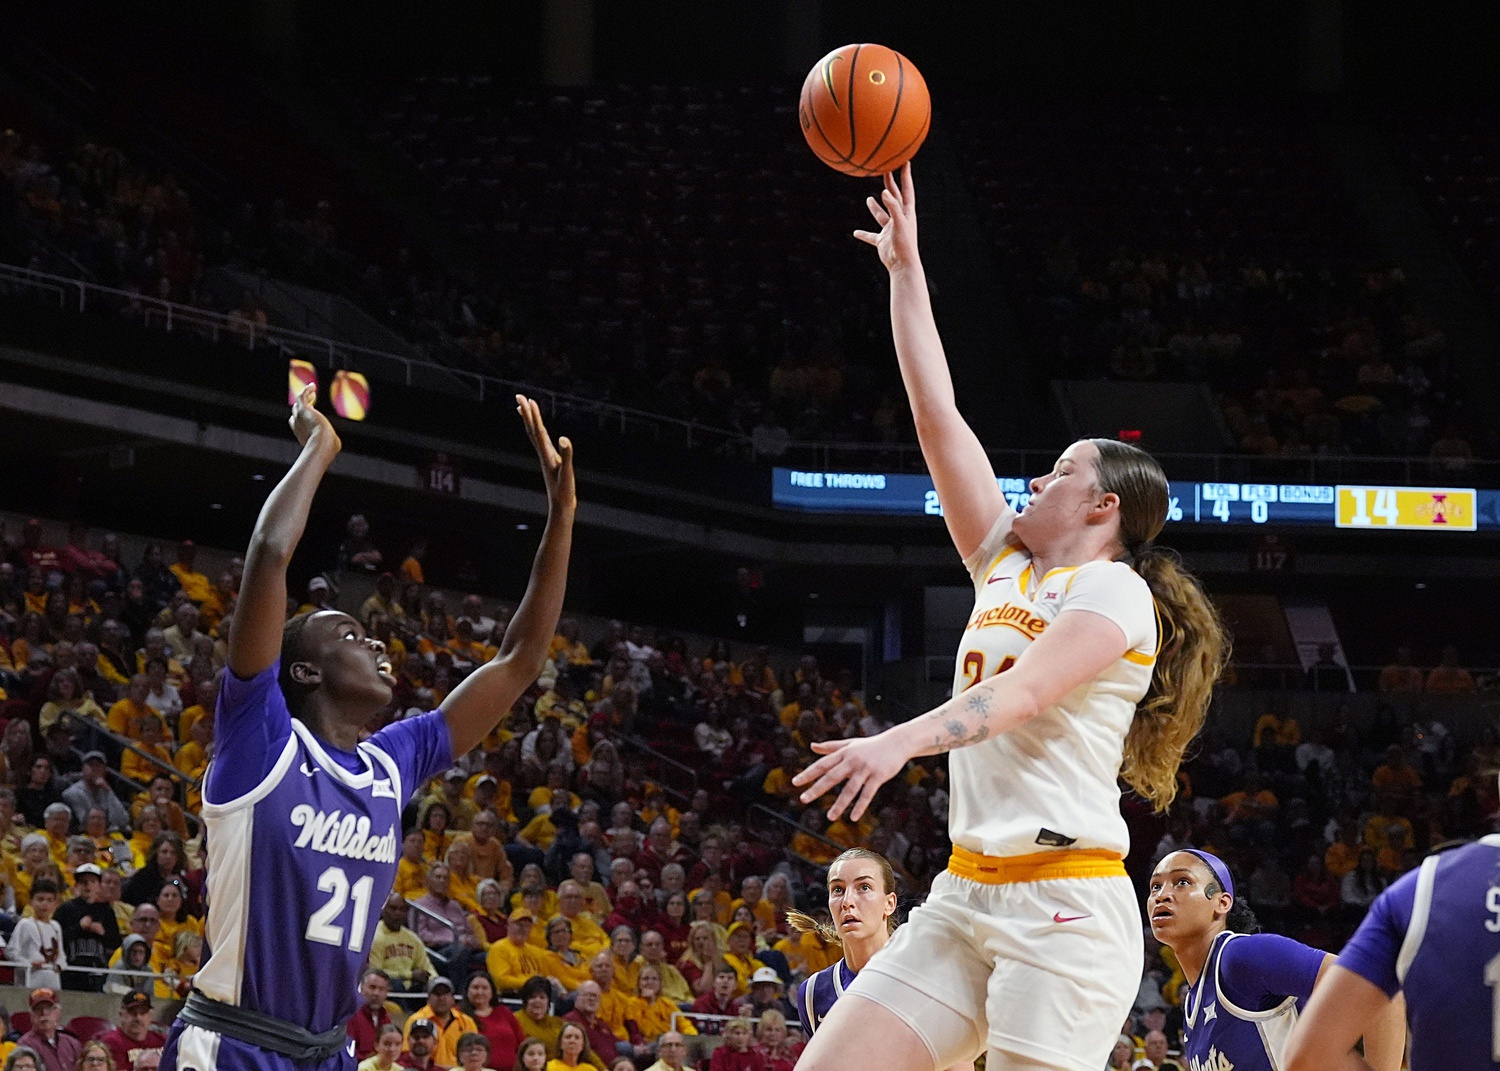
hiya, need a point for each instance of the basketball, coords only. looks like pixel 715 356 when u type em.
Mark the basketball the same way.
pixel 864 109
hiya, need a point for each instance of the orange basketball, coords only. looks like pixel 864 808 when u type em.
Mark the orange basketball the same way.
pixel 864 109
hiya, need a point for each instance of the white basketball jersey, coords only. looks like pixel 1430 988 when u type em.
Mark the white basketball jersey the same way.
pixel 1052 782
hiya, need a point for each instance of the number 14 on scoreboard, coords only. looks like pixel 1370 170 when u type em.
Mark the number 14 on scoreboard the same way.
pixel 1428 508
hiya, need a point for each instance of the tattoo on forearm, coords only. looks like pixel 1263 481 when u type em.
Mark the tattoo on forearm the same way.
pixel 970 729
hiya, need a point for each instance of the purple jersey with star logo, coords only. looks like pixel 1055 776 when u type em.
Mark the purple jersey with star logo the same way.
pixel 1239 1013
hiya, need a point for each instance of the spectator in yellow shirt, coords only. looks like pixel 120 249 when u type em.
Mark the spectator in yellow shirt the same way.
pixel 411 868
pixel 451 1023
pixel 806 700
pixel 1342 855
pixel 398 951
pixel 1280 729
pixel 752 895
pixel 654 1013
pixel 513 959
pixel 463 885
pixel 195 585
pixel 126 715
pixel 206 695
pixel 486 849
pixel 436 836
pixel 411 566
pixel 562 962
pixel 566 649
pixel 741 956
pixel 138 767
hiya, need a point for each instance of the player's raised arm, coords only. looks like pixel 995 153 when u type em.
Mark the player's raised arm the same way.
pixel 255 630
pixel 486 695
pixel 960 468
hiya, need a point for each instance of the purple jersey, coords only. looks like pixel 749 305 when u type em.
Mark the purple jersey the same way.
pixel 302 848
pixel 1435 935
pixel 1240 1012
pixel 816 996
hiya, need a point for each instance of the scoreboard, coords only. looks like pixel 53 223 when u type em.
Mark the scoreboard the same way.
pixel 1368 507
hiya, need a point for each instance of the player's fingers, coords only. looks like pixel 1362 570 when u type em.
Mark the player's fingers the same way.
pixel 833 776
pixel 891 200
pixel 880 214
pixel 814 768
pixel 847 797
pixel 866 797
pixel 828 747
pixel 908 187
pixel 889 181
pixel 868 237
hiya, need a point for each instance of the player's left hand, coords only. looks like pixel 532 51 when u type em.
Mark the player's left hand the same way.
pixel 557 461
pixel 861 765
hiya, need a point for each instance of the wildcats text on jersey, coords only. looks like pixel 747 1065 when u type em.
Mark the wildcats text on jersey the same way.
pixel 1214 1061
pixel 345 835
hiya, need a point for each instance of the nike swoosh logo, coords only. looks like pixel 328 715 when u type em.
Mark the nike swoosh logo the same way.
pixel 1060 917
pixel 308 768
pixel 997 579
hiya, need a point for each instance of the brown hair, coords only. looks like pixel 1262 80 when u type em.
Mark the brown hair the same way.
pixel 1193 645
pixel 807 924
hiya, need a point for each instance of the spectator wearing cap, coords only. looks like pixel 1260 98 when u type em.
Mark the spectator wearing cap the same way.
pixel 449 1022
pixel 512 960
pixel 318 595
pixel 741 955
pixel 92 790
pixel 90 931
pixel 420 1044
pixel 373 1013
pixel 450 792
pixel 765 993
pixel 58 1049
pixel 133 1036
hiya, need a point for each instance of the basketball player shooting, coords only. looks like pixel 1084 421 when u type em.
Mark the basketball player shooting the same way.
pixel 304 817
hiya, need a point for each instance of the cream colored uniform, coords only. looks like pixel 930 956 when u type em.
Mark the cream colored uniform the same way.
pixel 1043 969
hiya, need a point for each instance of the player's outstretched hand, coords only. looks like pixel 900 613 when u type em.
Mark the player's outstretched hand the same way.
pixel 861 765
pixel 557 461
pixel 896 214
pixel 306 421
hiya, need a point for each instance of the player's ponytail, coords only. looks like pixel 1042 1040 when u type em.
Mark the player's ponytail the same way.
pixel 1193 646
pixel 1241 919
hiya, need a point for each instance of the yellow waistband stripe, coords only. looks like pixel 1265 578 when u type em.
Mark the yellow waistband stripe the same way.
pixel 1039 866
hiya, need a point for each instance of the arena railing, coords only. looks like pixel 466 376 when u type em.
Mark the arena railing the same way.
pixel 82 295
pixel 89 725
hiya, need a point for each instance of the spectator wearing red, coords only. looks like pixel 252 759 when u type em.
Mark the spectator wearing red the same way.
pixel 736 1054
pixel 133 1036
pixel 719 1000
pixel 364 1025
pixel 496 1022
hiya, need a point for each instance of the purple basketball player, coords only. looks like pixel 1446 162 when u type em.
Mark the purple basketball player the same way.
pixel 1245 988
pixel 1432 942
pixel 304 817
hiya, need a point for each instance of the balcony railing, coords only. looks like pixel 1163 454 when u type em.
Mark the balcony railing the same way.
pixel 81 295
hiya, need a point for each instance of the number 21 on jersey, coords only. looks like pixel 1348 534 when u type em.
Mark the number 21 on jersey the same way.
pixel 322 928
pixel 973 670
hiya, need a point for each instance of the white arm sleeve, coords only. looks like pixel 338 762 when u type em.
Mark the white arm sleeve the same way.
pixel 1116 591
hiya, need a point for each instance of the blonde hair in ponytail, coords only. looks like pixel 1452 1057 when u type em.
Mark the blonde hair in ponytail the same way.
pixel 1193 646
pixel 801 923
